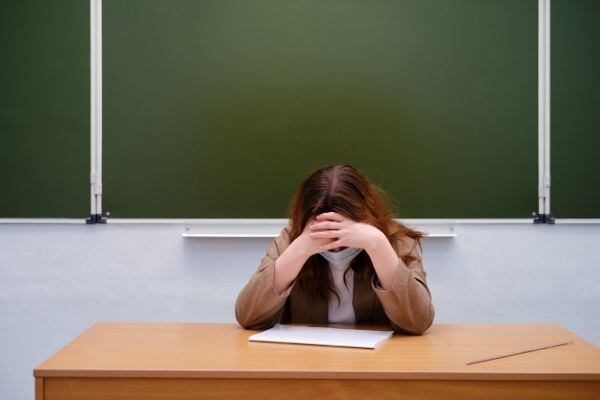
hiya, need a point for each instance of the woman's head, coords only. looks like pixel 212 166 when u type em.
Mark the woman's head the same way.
pixel 341 188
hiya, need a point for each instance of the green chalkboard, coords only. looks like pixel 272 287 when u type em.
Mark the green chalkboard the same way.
pixel 44 109
pixel 218 109
pixel 575 104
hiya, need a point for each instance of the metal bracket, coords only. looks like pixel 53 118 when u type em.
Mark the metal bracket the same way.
pixel 95 219
pixel 542 218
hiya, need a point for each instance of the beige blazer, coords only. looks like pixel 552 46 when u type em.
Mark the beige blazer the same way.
pixel 406 306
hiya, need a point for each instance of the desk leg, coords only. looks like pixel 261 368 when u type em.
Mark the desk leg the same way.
pixel 39 388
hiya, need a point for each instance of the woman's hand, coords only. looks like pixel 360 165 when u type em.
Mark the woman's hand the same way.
pixel 342 231
pixel 346 232
pixel 290 262
pixel 307 244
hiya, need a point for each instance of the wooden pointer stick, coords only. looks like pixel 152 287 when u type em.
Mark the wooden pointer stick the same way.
pixel 518 352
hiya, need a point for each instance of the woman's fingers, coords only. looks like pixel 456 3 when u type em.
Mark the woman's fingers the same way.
pixel 332 245
pixel 324 234
pixel 332 216
pixel 326 225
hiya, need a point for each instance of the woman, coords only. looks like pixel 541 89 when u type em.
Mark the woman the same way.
pixel 341 259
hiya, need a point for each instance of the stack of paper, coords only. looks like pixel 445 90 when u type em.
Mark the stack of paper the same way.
pixel 322 336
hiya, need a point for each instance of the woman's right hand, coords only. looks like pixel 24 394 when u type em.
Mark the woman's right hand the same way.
pixel 309 245
pixel 291 261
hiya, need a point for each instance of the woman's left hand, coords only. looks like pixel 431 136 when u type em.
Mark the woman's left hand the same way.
pixel 348 233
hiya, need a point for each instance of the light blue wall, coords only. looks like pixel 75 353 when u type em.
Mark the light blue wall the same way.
pixel 56 280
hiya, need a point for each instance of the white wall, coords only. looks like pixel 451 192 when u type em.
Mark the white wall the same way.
pixel 56 280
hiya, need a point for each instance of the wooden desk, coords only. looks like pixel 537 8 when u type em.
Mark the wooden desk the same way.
pixel 193 361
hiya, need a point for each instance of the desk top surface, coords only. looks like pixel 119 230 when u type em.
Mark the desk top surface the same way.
pixel 205 350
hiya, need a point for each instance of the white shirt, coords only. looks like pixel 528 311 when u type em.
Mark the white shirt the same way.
pixel 342 313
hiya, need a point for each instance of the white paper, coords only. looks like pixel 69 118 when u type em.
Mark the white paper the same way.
pixel 322 336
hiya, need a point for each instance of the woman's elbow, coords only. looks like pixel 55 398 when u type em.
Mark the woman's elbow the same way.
pixel 245 323
pixel 242 315
pixel 417 327
pixel 242 322
pixel 252 325
pixel 248 321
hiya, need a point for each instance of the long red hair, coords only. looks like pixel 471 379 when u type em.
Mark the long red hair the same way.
pixel 343 189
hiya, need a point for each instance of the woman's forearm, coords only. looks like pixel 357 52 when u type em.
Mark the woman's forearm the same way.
pixel 288 266
pixel 385 260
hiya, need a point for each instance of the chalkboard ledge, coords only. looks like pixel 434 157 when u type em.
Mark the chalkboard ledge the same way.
pixel 270 228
